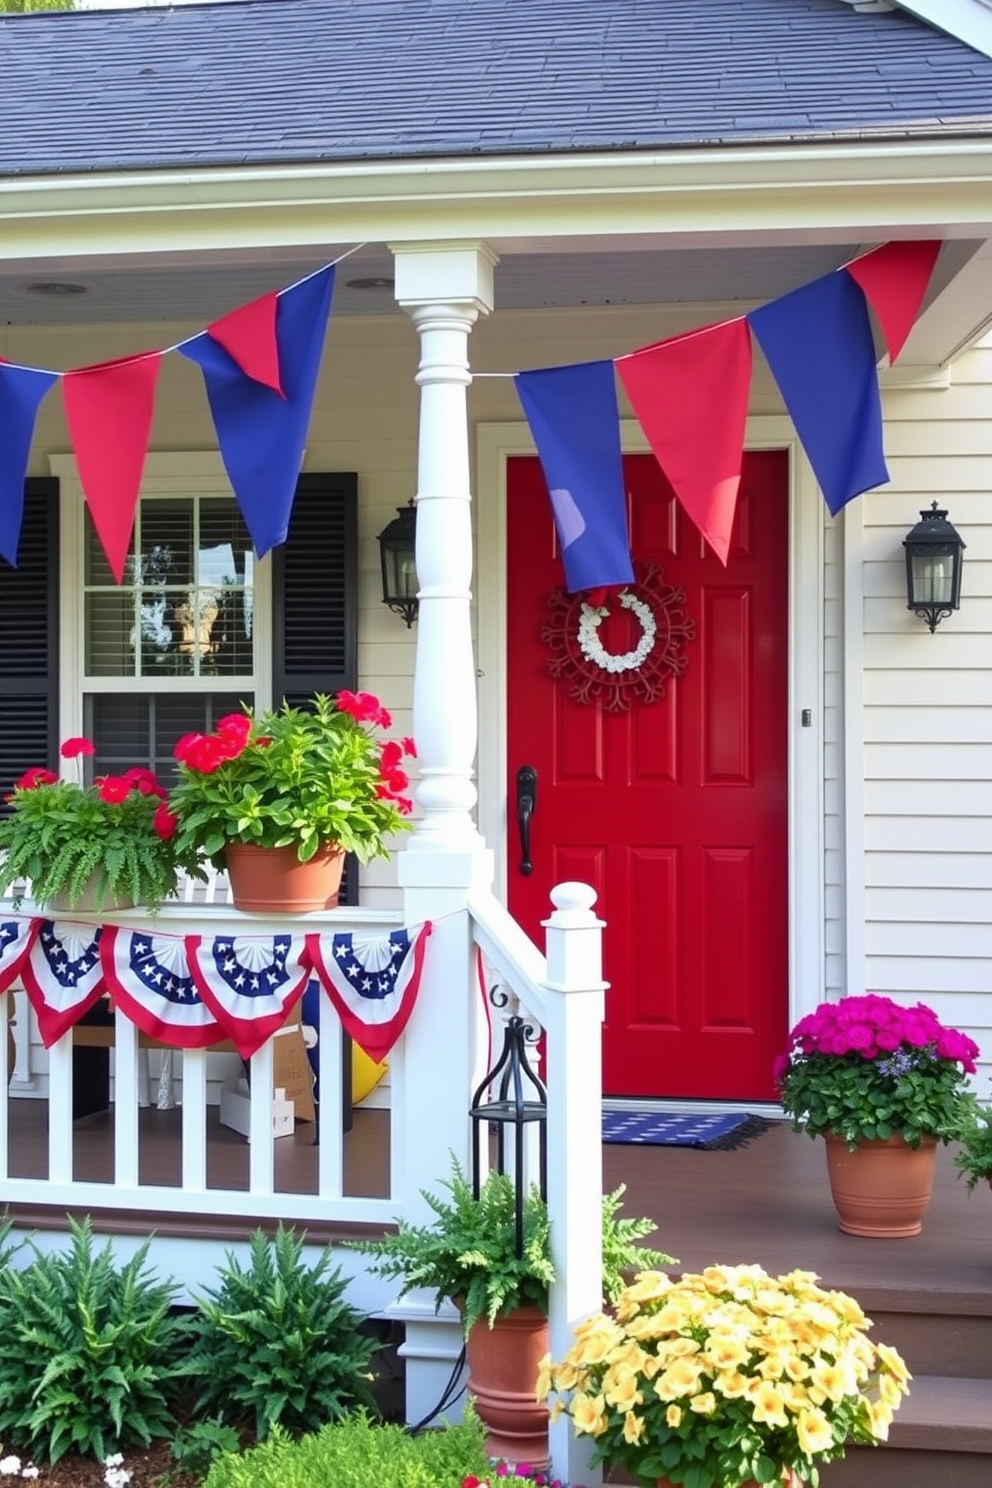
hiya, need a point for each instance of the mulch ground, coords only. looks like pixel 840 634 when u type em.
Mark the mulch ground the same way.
pixel 150 1467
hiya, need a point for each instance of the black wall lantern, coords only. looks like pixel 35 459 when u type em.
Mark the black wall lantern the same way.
pixel 933 567
pixel 398 555
pixel 510 1097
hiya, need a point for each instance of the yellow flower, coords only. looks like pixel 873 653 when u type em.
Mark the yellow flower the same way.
pixel 588 1414
pixel 767 1404
pixel 731 1384
pixel 633 1428
pixel 831 1379
pixel 703 1405
pixel 673 1416
pixel 893 1362
pixel 620 1390
pixel 565 1377
pixel 647 1286
pixel 680 1378
pixel 890 1390
pixel 879 1417
pixel 544 1378
pixel 813 1432
pixel 725 1351
pixel 598 1342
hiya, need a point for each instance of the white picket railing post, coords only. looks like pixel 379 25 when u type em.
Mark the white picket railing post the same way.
pixel 573 1026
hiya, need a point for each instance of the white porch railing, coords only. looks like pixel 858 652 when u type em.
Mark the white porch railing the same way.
pixel 193 1195
pixel 562 992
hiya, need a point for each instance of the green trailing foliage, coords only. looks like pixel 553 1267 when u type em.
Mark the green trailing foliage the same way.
pixel 468 1253
pixel 275 1343
pixel 360 1453
pixel 974 1156
pixel 88 1351
pixel 199 1442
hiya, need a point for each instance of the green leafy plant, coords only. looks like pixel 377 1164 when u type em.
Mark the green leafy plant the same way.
pixel 726 1377
pixel 116 837
pixel 275 1342
pixel 974 1158
pixel 88 1351
pixel 468 1253
pixel 294 778
pixel 867 1067
pixel 199 1442
pixel 361 1453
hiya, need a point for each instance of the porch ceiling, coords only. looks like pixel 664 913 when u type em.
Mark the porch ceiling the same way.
pixel 197 288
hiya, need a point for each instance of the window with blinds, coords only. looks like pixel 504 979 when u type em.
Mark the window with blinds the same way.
pixel 29 641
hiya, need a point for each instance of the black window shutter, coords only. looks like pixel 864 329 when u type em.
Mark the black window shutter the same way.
pixel 29 636
pixel 315 592
pixel 315 602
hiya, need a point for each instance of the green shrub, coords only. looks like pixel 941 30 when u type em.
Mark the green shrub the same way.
pixel 361 1453
pixel 87 1351
pixel 275 1343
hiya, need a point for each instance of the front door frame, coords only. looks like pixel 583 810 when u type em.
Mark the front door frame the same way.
pixel 495 443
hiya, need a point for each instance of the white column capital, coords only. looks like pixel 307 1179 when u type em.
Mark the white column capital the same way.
pixel 457 275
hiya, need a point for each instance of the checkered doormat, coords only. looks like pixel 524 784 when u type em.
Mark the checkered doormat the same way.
pixel 711 1132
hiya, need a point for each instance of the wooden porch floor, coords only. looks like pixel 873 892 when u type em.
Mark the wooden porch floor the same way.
pixel 766 1202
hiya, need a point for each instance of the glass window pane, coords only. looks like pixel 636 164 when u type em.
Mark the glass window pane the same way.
pixel 186 605
pixel 166 542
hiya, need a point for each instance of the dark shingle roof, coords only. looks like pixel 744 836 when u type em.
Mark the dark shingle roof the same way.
pixel 309 80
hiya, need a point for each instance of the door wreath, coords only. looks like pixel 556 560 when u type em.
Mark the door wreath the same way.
pixel 592 673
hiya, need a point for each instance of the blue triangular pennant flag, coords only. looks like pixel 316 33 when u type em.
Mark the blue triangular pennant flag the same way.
pixel 21 391
pixel 262 434
pixel 818 343
pixel 573 416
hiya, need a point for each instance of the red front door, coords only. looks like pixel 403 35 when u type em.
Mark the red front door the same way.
pixel 675 811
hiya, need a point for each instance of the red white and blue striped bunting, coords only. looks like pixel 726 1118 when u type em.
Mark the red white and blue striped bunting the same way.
pixel 16 940
pixel 249 983
pixel 148 977
pixel 372 981
pixel 62 975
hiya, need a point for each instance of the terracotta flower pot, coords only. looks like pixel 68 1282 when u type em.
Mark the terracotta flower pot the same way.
pixel 503 1365
pixel 88 900
pixel 881 1190
pixel 789 1480
pixel 272 879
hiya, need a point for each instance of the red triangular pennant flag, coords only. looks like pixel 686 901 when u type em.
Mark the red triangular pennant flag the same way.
pixel 109 408
pixel 894 279
pixel 248 335
pixel 690 396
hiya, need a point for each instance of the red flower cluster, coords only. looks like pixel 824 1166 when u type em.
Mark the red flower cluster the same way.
pixel 364 707
pixel 31 779
pixel 207 752
pixel 394 780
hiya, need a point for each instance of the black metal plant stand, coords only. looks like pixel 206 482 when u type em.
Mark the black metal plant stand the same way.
pixel 520 1098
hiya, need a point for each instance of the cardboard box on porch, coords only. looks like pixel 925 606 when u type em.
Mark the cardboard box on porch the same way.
pixel 291 1070
pixel 235 1109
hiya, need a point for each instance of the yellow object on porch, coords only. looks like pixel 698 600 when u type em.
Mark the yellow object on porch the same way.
pixel 365 1074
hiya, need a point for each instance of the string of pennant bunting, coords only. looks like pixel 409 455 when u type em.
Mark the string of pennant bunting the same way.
pixel 192 991
pixel 260 365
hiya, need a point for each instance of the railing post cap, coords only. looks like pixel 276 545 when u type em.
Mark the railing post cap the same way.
pixel 573 904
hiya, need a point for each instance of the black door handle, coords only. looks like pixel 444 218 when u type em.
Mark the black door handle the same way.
pixel 526 801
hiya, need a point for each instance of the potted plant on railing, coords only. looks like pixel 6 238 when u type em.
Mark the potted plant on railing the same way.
pixel 468 1255
pixel 974 1156
pixel 726 1378
pixel 109 844
pixel 883 1084
pixel 279 800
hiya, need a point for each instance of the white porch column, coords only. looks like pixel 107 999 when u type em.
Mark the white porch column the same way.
pixel 444 288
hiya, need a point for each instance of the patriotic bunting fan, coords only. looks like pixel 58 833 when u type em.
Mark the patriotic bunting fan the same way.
pixel 372 981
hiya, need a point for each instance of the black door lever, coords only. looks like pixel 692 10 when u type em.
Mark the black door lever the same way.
pixel 526 801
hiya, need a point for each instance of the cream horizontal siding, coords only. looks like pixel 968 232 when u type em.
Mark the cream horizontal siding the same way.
pixel 926 717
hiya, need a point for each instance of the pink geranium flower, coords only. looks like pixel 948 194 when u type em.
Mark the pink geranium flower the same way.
pixel 75 747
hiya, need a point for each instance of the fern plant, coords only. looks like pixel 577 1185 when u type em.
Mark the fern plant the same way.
pixel 87 1351
pixel 116 836
pixel 469 1255
pixel 275 1342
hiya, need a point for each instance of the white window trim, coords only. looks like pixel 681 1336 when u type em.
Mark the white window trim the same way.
pixel 182 473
